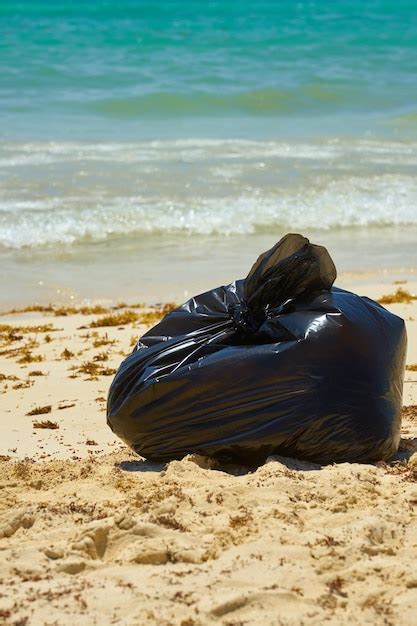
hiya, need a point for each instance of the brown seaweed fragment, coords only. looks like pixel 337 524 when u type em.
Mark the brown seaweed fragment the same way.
pixel 45 424
pixel 401 295
pixel 40 410
pixel 116 319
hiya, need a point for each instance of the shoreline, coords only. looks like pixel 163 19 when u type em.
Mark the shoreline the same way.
pixel 151 285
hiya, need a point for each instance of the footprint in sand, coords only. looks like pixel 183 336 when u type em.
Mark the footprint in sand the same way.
pixel 11 522
pixel 93 540
pixel 126 540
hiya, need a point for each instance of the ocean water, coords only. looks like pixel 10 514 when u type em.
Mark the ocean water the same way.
pixel 152 148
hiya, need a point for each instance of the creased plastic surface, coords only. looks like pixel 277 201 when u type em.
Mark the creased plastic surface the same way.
pixel 281 362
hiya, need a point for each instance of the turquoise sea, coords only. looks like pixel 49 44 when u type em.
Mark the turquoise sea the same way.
pixel 151 147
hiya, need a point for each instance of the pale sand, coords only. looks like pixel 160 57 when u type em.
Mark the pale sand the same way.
pixel 92 534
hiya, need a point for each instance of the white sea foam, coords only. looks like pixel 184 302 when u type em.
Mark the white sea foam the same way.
pixel 41 153
pixel 54 193
pixel 382 201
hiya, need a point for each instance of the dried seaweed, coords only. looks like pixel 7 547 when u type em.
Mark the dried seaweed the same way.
pixel 40 410
pixel 401 295
pixel 67 354
pixel 28 357
pixel 410 412
pixel 156 314
pixel 45 424
pixel 38 328
pixel 116 319
pixel 24 384
pixel 99 342
pixel 7 377
pixel 92 368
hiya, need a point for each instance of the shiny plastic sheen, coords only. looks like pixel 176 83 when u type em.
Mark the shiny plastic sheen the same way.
pixel 279 363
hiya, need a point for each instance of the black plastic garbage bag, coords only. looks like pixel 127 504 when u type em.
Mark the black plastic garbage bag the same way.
pixel 278 363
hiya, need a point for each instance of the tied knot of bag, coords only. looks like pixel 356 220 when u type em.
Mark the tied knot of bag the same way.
pixel 243 320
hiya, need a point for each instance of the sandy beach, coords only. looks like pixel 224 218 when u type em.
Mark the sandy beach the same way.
pixel 150 151
pixel 93 534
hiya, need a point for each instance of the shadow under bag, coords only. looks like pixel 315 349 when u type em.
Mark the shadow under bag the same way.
pixel 281 362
